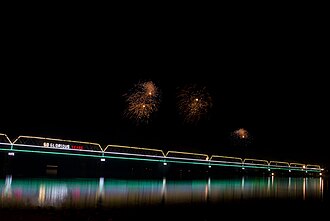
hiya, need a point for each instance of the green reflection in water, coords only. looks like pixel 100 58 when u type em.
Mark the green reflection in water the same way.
pixel 112 193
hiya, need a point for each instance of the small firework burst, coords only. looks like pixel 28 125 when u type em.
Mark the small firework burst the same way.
pixel 241 137
pixel 193 103
pixel 241 133
pixel 142 101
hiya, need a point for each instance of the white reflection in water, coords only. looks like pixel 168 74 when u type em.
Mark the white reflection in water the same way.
pixel 209 187
pixel 304 188
pixel 6 193
pixel 52 195
pixel 321 187
pixel 163 191
pixel 106 192
pixel 100 192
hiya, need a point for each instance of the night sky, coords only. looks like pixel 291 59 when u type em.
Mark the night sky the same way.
pixel 67 80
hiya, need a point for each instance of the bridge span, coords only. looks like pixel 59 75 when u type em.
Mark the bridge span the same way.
pixel 41 146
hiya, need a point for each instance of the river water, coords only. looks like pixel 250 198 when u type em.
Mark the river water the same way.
pixel 155 199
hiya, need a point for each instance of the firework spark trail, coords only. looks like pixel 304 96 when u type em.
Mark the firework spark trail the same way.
pixel 142 101
pixel 193 103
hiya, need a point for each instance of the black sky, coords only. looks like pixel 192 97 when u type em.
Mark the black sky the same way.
pixel 65 79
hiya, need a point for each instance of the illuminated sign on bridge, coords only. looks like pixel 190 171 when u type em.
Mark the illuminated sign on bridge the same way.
pixel 52 143
pixel 63 146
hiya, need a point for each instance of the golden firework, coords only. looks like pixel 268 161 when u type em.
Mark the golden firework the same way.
pixel 241 133
pixel 193 103
pixel 241 137
pixel 142 101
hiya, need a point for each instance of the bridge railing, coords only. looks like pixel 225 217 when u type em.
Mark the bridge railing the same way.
pixel 129 151
pixel 255 163
pixel 297 165
pixel 186 156
pixel 5 142
pixel 53 145
pixel 226 160
pixel 313 166
pixel 280 165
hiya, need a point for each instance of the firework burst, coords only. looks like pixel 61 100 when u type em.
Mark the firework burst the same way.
pixel 241 137
pixel 241 133
pixel 142 101
pixel 193 103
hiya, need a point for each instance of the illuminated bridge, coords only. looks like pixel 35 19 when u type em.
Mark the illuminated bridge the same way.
pixel 53 149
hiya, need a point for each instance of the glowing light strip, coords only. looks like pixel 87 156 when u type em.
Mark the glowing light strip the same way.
pixel 184 158
pixel 229 164
pixel 255 165
pixel 6 137
pixel 136 148
pixel 133 154
pixel 300 165
pixel 220 161
pixel 186 162
pixel 285 168
pixel 226 157
pixel 152 160
pixel 54 148
pixel 313 166
pixel 257 160
pixel 196 154
pixel 314 170
pixel 54 139
pixel 279 166
pixel 279 162
pixel 7 144
pixel 128 158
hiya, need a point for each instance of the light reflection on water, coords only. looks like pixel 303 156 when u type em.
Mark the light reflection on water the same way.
pixel 113 193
